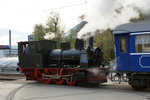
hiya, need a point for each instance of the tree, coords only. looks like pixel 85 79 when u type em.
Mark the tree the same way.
pixel 53 25
pixel 106 40
pixel 70 38
pixel 52 28
pixel 119 10
pixel 39 32
pixel 81 18
pixel 139 18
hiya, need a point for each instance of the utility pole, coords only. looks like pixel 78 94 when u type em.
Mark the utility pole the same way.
pixel 9 42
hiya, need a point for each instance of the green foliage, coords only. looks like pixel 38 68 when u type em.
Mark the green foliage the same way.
pixel 134 19
pixel 118 11
pixel 70 38
pixel 106 40
pixel 81 17
pixel 52 26
pixel 53 23
pixel 139 18
pixel 39 32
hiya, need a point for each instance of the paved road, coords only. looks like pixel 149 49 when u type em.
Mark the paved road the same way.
pixel 6 88
pixel 22 90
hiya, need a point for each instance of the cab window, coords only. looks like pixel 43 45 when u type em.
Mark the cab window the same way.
pixel 123 45
pixel 142 43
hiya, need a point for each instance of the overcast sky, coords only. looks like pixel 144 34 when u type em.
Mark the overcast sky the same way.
pixel 21 15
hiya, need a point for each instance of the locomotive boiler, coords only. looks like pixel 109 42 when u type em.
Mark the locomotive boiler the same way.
pixel 44 62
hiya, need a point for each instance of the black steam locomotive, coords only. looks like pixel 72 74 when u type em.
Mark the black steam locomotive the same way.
pixel 44 62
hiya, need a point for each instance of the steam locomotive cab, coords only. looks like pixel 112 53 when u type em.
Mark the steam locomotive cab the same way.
pixel 46 63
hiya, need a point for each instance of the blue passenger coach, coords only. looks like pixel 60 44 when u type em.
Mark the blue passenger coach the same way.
pixel 132 42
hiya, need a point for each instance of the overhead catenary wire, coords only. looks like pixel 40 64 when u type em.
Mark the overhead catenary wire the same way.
pixel 62 7
pixel 67 6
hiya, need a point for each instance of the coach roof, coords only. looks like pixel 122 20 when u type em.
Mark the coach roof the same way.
pixel 142 26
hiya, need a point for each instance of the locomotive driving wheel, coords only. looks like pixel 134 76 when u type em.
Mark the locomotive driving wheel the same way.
pixel 47 81
pixel 59 81
pixel 71 81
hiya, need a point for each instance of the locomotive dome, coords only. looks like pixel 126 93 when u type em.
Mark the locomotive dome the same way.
pixel 142 26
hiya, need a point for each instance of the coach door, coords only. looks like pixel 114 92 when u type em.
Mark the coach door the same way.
pixel 122 58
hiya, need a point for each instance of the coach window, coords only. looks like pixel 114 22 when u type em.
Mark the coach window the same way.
pixel 142 43
pixel 123 45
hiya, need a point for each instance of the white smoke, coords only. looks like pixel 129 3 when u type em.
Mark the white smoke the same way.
pixel 94 71
pixel 101 14
pixel 112 66
pixel 49 35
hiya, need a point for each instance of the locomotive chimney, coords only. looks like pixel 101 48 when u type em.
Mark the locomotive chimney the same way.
pixel 91 42
pixel 79 44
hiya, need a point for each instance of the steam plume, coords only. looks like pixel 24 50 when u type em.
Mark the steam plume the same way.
pixel 101 14
pixel 49 35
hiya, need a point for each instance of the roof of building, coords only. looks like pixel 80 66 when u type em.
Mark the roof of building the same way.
pixel 142 26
